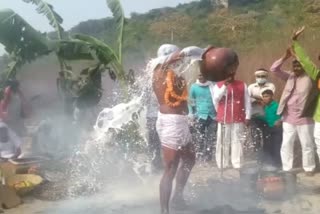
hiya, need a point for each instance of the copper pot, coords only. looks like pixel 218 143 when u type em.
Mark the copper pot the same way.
pixel 218 63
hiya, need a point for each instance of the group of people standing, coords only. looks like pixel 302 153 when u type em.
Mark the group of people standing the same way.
pixel 227 109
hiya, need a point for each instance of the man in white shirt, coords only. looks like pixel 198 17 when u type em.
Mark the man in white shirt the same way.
pixel 255 90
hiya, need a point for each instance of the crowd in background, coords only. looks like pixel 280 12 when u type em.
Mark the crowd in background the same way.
pixel 224 114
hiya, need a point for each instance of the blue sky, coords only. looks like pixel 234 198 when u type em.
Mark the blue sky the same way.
pixel 75 11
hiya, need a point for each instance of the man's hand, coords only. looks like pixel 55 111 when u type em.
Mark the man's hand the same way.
pixel 297 33
pixel 278 123
pixel 173 58
pixel 247 122
pixel 288 53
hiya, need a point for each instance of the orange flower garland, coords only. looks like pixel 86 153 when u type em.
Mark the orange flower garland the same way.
pixel 170 93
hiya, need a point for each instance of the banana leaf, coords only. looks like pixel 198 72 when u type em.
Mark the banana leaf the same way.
pixel 83 47
pixel 20 39
pixel 47 10
pixel 118 14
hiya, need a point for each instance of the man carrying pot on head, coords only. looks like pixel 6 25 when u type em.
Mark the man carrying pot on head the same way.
pixel 170 80
pixel 152 104
pixel 296 109
pixel 172 126
pixel 255 89
pixel 233 107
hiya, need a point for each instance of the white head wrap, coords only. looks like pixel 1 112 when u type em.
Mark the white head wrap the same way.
pixel 261 72
pixel 166 50
pixel 164 53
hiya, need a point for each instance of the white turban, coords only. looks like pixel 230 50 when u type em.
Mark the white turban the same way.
pixel 261 72
pixel 167 49
pixel 164 53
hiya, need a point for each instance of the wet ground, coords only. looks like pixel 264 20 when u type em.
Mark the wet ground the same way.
pixel 206 193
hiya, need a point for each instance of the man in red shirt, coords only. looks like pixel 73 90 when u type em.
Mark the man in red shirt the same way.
pixel 233 107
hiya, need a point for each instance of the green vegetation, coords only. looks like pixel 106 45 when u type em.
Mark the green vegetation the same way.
pixel 246 24
pixel 24 44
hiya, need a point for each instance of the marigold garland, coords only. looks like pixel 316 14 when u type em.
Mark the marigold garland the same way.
pixel 170 93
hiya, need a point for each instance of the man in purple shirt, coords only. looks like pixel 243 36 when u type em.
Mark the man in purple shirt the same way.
pixel 296 97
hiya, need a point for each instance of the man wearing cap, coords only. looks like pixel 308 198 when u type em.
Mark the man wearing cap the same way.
pixel 299 93
pixel 254 90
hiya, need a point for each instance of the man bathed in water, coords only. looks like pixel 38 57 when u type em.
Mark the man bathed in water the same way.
pixel 172 127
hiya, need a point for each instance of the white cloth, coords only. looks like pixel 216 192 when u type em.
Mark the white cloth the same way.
pixel 305 134
pixel 173 130
pixel 8 149
pixel 166 49
pixel 261 72
pixel 164 53
pixel 222 91
pixel 316 135
pixel 234 137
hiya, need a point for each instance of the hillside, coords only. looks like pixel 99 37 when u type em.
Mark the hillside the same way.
pixel 258 29
pixel 245 25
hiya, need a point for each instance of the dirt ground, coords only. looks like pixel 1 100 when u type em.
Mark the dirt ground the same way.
pixel 206 193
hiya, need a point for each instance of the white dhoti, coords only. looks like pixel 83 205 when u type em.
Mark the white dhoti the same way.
pixel 234 137
pixel 316 135
pixel 173 130
pixel 305 134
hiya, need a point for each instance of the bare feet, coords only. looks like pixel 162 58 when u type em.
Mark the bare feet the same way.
pixel 179 203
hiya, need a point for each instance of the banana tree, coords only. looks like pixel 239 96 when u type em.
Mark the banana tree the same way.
pixel 33 44
pixel 55 20
pixel 87 47
pixel 84 47
pixel 22 42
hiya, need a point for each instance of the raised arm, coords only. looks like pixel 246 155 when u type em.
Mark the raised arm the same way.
pixel 305 61
pixel 276 69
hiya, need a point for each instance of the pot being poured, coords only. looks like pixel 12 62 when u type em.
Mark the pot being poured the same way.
pixel 218 63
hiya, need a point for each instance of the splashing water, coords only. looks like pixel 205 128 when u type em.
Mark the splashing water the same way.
pixel 117 146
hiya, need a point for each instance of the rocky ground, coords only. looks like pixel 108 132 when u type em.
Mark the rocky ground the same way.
pixel 207 193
